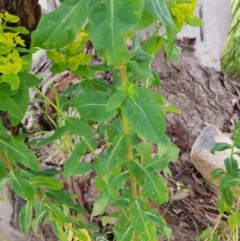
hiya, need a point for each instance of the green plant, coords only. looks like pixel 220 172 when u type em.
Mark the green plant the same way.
pixel 231 56
pixel 130 119
pixel 229 200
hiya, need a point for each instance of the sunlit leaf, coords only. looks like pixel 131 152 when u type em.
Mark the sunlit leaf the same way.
pixel 58 28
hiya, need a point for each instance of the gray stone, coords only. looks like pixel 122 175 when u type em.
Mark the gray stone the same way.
pixel 203 160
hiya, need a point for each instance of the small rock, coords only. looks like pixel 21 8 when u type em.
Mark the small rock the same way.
pixel 203 160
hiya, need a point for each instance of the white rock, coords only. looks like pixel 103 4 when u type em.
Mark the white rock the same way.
pixel 203 160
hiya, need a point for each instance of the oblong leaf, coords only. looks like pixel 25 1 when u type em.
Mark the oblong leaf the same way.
pixel 217 172
pixel 116 157
pixel 229 181
pixel 231 166
pixel 60 196
pixel 146 117
pixel 25 217
pixel 220 147
pixel 93 106
pixel 43 181
pixel 78 127
pixel 9 105
pixel 21 187
pixel 116 100
pixel 56 135
pixel 107 30
pixel 55 212
pixel 72 163
pixel 141 223
pixel 19 152
pixel 126 233
pixel 58 28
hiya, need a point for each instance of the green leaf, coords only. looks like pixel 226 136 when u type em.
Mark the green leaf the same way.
pixel 11 79
pixel 145 149
pixel 146 117
pixel 116 100
pixel 28 80
pixel 231 166
pixel 79 209
pixel 19 29
pixel 55 136
pixel 36 222
pixel 92 106
pixel 237 128
pixel 43 181
pixel 237 141
pixel 138 171
pixel 206 233
pixel 72 163
pixel 3 169
pixel 60 196
pixel 58 28
pixel 220 204
pixel 78 127
pixel 172 109
pixel 144 22
pixel 100 205
pixel 118 181
pixel 229 181
pixel 22 99
pixel 155 217
pixel 114 128
pixel 3 182
pixel 140 221
pixel 172 151
pixel 2 128
pixel 19 152
pixel 58 231
pixel 217 172
pixel 227 195
pixel 108 33
pixel 106 219
pixel 194 21
pixel 152 45
pixel 55 212
pixel 155 187
pixel 159 10
pixel 25 217
pixel 9 105
pixel 117 156
pixel 21 187
pixel 5 49
pixel 11 18
pixel 141 64
pixel 234 220
pixel 126 233
pixel 220 147
pixel 83 168
pixel 5 88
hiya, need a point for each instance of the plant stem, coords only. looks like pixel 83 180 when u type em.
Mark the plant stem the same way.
pixel 6 161
pixel 123 74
